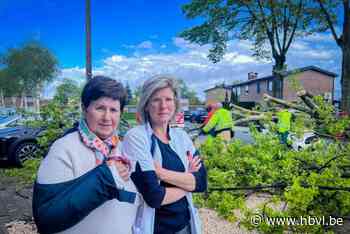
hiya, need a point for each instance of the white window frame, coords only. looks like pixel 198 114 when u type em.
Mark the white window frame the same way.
pixel 269 85
pixel 238 91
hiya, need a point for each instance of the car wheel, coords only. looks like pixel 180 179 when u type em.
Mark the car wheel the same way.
pixel 24 151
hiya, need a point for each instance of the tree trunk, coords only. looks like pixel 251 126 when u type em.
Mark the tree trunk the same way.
pixel 307 99
pixel 250 112
pixel 345 76
pixel 25 102
pixel 2 98
pixel 22 101
pixel 345 80
pixel 278 71
pixel 288 104
pixel 14 99
pixel 37 99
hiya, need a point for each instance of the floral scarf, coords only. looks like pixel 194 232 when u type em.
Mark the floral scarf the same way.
pixel 102 149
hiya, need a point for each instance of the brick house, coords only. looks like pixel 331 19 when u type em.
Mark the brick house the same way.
pixel 217 93
pixel 30 103
pixel 312 79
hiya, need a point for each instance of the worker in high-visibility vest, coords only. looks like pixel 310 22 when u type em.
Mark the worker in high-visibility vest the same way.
pixel 283 125
pixel 212 107
pixel 220 123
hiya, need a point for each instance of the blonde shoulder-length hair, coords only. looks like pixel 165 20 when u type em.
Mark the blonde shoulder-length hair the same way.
pixel 151 86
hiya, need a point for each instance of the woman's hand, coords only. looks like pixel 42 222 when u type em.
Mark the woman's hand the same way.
pixel 158 169
pixel 194 163
pixel 123 169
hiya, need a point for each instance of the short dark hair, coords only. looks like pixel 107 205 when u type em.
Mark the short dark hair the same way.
pixel 103 86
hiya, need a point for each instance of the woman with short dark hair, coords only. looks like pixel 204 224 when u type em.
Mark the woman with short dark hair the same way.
pixel 83 183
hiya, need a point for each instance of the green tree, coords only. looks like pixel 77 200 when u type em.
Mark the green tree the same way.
pixel 136 96
pixel 27 68
pixel 129 93
pixel 336 14
pixel 271 25
pixel 186 92
pixel 67 91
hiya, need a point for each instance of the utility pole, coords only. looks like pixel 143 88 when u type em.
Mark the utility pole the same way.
pixel 88 66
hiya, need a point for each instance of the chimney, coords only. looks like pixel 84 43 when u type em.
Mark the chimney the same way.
pixel 252 75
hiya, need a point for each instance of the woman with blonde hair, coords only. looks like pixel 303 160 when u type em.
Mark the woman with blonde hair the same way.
pixel 168 167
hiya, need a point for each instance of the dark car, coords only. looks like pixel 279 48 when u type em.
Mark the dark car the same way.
pixel 18 143
pixel 187 115
pixel 198 116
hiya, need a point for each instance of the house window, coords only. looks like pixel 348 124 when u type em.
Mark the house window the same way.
pixel 258 87
pixel 238 91
pixel 269 85
pixel 246 89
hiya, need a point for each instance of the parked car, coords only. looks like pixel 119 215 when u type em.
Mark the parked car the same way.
pixel 187 115
pixel 18 143
pixel 7 121
pixel 198 116
pixel 7 111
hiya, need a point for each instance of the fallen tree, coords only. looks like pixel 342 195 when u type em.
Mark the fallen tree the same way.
pixel 313 109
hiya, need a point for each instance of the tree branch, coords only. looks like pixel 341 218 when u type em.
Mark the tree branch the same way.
pixel 274 26
pixel 330 24
pixel 285 26
pixel 242 109
pixel 268 32
pixel 287 104
pixel 295 25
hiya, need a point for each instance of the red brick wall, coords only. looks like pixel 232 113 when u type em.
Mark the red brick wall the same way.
pixel 252 95
pixel 313 82
pixel 216 95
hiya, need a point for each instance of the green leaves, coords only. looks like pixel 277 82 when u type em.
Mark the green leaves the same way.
pixel 56 117
pixel 305 181
pixel 27 68
pixel 271 25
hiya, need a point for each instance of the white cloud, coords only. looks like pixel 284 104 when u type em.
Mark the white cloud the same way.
pixel 299 45
pixel 183 44
pixel 145 45
pixel 311 50
pixel 235 58
pixel 190 63
pixel 314 54
pixel 319 37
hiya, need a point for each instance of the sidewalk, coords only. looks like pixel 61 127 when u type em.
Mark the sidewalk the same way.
pixel 15 203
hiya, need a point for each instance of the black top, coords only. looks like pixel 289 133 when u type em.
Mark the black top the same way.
pixel 174 216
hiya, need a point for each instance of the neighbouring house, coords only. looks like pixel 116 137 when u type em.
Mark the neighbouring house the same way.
pixel 28 103
pixel 217 94
pixel 313 79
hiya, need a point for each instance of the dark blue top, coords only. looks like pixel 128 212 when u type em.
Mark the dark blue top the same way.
pixel 174 216
pixel 153 192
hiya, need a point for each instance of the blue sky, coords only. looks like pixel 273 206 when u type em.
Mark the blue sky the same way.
pixel 134 39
